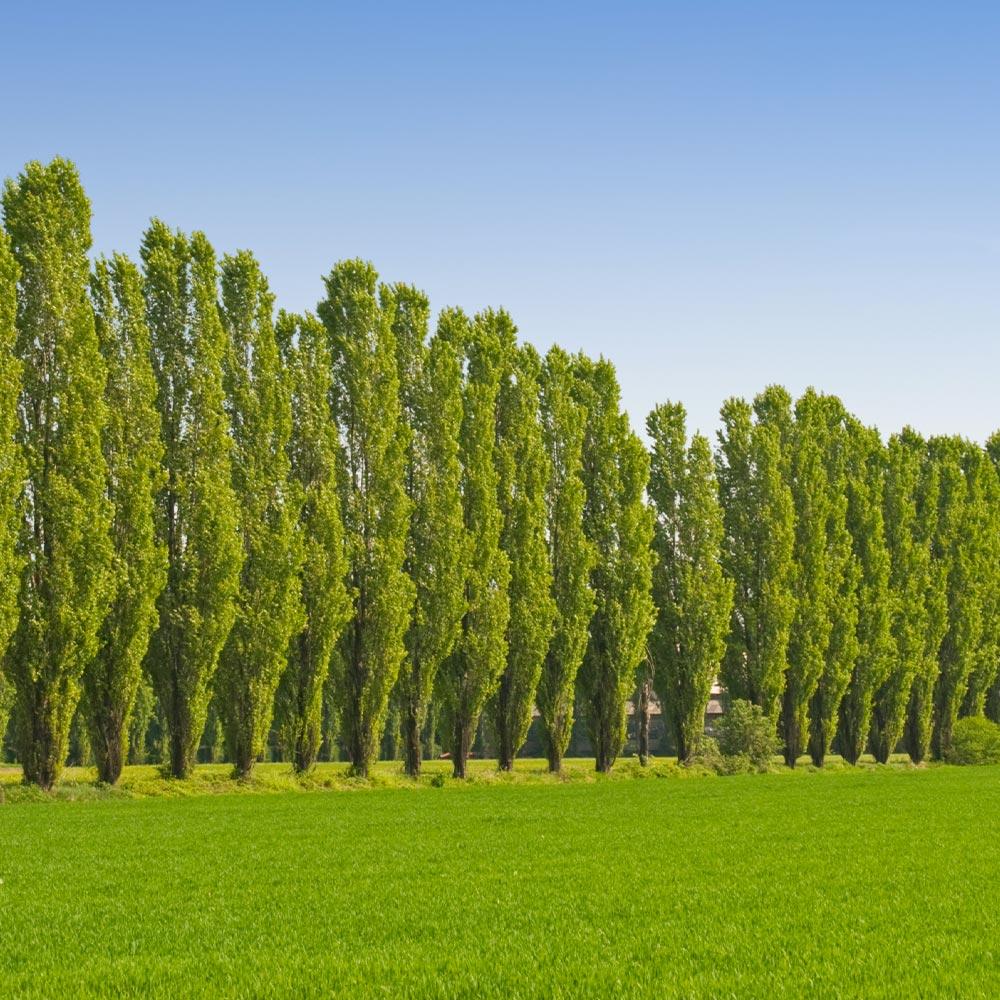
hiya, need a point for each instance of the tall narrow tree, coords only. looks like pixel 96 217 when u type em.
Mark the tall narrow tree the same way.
pixel 956 544
pixel 197 515
pixel 268 605
pixel 571 553
pixel 430 378
pixel 12 469
pixel 620 526
pixel 692 596
pixel 992 706
pixel 376 509
pixel 875 647
pixel 65 538
pixel 757 554
pixel 469 676
pixel 909 567
pixel 842 578
pixel 523 474
pixel 133 453
pixel 933 623
pixel 326 605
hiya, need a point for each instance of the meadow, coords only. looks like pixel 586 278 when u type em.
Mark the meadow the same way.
pixel 842 882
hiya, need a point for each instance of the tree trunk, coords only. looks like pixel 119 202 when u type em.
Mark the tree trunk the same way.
pixel 505 752
pixel 108 751
pixel 460 752
pixel 643 712
pixel 683 750
pixel 304 755
pixel 554 758
pixel 411 740
pixel 180 765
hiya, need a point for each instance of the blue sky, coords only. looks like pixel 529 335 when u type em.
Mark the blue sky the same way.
pixel 716 195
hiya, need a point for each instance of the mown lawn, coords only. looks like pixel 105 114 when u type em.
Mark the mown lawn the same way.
pixel 841 883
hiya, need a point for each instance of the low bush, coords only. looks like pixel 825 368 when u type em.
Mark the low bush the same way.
pixel 974 740
pixel 746 732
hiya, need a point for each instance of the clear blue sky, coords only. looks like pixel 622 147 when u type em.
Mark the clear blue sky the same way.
pixel 715 195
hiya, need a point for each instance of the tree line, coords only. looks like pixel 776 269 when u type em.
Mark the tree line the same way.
pixel 298 518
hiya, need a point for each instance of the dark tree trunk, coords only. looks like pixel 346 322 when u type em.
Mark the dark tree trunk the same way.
pixel 643 711
pixel 180 765
pixel 463 743
pixel 683 750
pixel 108 750
pixel 554 758
pixel 793 737
pixel 411 740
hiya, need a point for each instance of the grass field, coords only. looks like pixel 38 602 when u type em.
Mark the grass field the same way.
pixel 839 883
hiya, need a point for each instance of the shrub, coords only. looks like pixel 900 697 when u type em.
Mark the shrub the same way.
pixel 707 756
pixel 974 740
pixel 745 731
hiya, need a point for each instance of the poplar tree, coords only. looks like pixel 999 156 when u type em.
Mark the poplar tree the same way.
pixel 571 554
pixel 268 605
pixel 909 583
pixel 985 532
pixel 133 453
pixel 757 554
pixel 801 440
pixel 956 544
pixel 992 707
pixel 875 647
pixel 197 512
pixel 430 379
pixel 376 509
pixel 470 674
pixel 523 474
pixel 313 450
pixel 65 538
pixel 620 526
pixel 692 596
pixel 842 577
pixel 934 622
pixel 12 469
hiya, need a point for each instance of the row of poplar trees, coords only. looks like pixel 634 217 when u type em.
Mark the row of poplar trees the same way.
pixel 255 508
pixel 265 509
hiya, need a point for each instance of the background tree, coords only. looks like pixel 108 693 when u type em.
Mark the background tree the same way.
pixel 992 706
pixel 65 539
pixel 376 509
pixel 197 516
pixel 757 554
pixel 11 470
pixel 523 474
pixel 692 596
pixel 470 674
pixel 957 544
pixel 843 575
pixel 268 605
pixel 133 453
pixel 430 379
pixel 875 648
pixel 620 526
pixel 325 601
pixel 571 555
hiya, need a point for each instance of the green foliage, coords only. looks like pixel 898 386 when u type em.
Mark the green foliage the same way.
pixel 571 555
pixel 65 543
pixel 522 477
pixel 430 379
pixel 619 525
pixel 876 650
pixel 692 596
pixel 376 510
pixel 469 676
pixel 133 453
pixel 757 554
pixel 268 605
pixel 197 511
pixel 974 740
pixel 744 731
pixel 326 605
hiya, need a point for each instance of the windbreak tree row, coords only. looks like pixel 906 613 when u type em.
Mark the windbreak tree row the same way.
pixel 324 529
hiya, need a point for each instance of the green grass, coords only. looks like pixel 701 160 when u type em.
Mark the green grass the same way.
pixel 871 882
